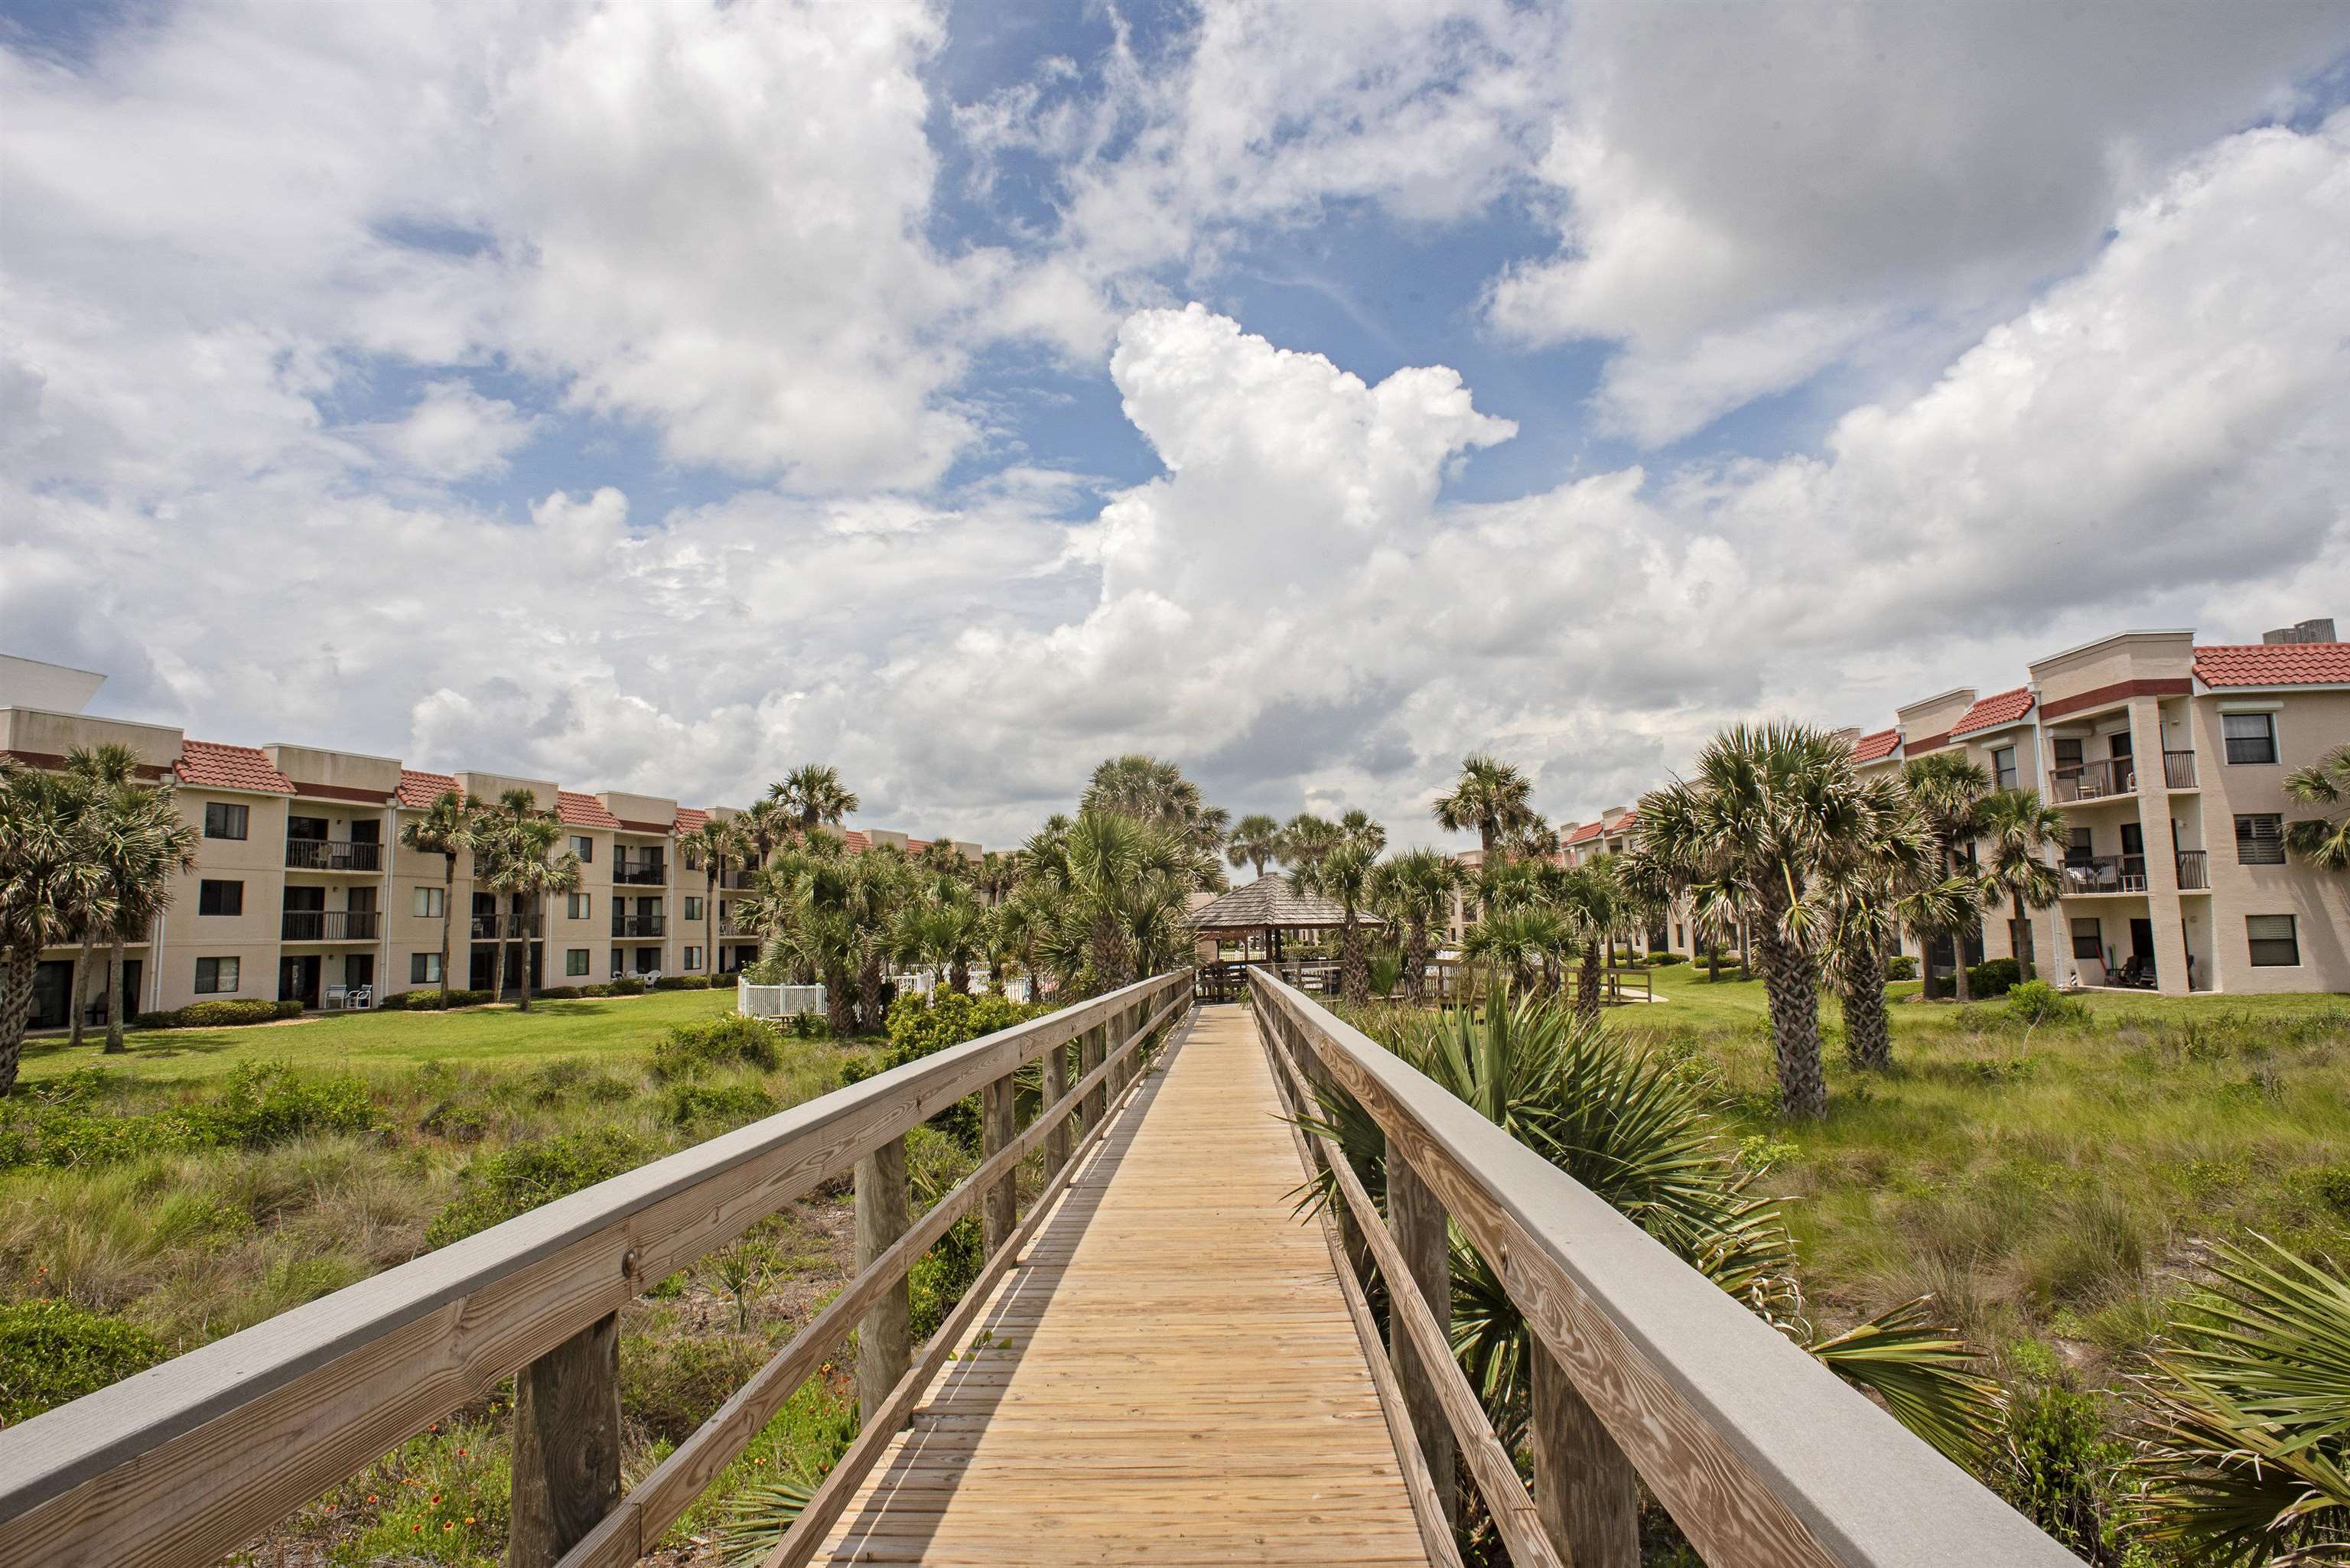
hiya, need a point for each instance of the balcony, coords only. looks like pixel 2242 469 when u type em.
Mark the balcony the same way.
pixel 329 925
pixel 2179 770
pixel 640 873
pixel 486 926
pixel 2097 781
pixel 639 924
pixel 730 927
pixel 333 854
pixel 2194 871
pixel 2089 874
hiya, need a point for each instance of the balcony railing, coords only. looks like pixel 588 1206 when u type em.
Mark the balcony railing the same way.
pixel 2096 781
pixel 2194 871
pixel 640 873
pixel 486 926
pixel 639 924
pixel 332 854
pixel 2106 874
pixel 329 926
pixel 2179 770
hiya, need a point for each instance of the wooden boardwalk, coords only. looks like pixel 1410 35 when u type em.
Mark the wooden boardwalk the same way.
pixel 1170 1375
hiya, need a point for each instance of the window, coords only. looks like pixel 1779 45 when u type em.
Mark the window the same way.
pixel 2087 941
pixel 693 958
pixel 2259 839
pixel 308 829
pixel 220 898
pixel 618 968
pixel 649 960
pixel 216 976
pixel 576 961
pixel 222 820
pixel 693 908
pixel 585 847
pixel 2077 849
pixel 579 906
pixel 2002 767
pixel 2068 752
pixel 424 968
pixel 2251 737
pixel 2274 944
pixel 1680 936
pixel 430 902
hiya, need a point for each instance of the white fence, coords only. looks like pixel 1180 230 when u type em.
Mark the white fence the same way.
pixel 776 1001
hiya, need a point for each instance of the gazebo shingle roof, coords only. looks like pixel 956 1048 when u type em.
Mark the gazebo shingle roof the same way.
pixel 1270 902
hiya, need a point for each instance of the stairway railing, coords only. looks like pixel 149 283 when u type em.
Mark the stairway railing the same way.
pixel 1642 1365
pixel 186 1461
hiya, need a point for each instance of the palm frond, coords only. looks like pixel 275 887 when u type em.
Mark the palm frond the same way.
pixel 1929 1376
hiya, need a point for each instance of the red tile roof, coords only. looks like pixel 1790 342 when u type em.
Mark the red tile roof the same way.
pixel 857 843
pixel 1876 746
pixel 691 818
pixel 211 766
pixel 2274 664
pixel 916 846
pixel 419 790
pixel 1587 832
pixel 583 810
pixel 1991 713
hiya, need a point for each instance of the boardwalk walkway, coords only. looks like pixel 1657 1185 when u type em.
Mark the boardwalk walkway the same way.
pixel 1171 1374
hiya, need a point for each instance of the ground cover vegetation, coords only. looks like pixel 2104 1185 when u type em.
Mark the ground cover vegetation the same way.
pixel 2090 1246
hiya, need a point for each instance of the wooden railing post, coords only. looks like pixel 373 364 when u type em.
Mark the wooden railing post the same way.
pixel 1416 1218
pixel 1585 1489
pixel 1057 1088
pixel 566 1444
pixel 885 1334
pixel 998 1126
pixel 1089 1057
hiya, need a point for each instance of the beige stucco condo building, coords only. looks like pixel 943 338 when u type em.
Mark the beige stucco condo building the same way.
pixel 302 889
pixel 2168 759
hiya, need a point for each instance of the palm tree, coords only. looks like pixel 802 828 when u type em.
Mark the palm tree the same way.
pixel 1155 792
pixel 1357 827
pixel 2022 828
pixel 1950 791
pixel 2324 841
pixel 1414 890
pixel 1879 877
pixel 45 878
pixel 514 857
pixel 1345 875
pixel 2248 1453
pixel 136 836
pixel 445 829
pixel 1595 905
pixel 1525 943
pixel 92 773
pixel 1256 842
pixel 943 927
pixel 1024 923
pixel 764 824
pixel 1490 796
pixel 1305 838
pixel 1759 828
pixel 814 794
pixel 712 843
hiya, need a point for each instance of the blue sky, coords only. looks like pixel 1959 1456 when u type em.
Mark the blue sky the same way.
pixel 655 396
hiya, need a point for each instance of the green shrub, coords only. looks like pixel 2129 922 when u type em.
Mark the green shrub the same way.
pixel 2333 1186
pixel 52 1352
pixel 629 985
pixel 734 1103
pixel 497 1187
pixel 921 1026
pixel 1902 966
pixel 2037 1001
pixel 261 1105
pixel 810 1026
pixel 1665 960
pixel 682 982
pixel 557 994
pixel 224 1014
pixel 1386 973
pixel 257 1105
pixel 600 987
pixel 427 999
pixel 940 1276
pixel 1995 978
pixel 2057 1466
pixel 729 1041
pixel 670 1385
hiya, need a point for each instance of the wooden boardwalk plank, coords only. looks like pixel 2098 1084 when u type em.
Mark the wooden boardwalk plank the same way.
pixel 1169 1376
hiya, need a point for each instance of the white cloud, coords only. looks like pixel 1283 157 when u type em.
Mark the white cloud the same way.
pixel 452 431
pixel 1747 201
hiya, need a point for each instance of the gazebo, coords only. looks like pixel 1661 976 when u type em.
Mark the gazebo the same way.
pixel 1260 917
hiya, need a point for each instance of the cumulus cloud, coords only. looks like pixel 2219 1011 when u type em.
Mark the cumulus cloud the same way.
pixel 1746 202
pixel 452 431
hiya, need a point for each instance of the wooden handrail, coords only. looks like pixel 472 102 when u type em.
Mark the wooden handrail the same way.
pixel 185 1461
pixel 1762 1456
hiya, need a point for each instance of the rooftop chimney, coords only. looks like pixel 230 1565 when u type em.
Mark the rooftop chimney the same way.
pixel 2321 630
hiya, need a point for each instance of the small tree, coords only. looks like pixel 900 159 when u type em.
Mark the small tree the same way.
pixel 45 877
pixel 1256 842
pixel 1949 791
pixel 2022 831
pixel 1416 889
pixel 2323 841
pixel 1345 875
pixel 445 829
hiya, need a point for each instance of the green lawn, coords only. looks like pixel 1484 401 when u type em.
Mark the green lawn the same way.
pixel 595 1027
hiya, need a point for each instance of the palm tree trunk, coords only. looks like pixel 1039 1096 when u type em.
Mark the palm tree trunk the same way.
pixel 1958 988
pixel 959 976
pixel 868 996
pixel 498 932
pixel 2015 928
pixel 710 924
pixel 1354 969
pixel 448 910
pixel 1867 1027
pixel 81 978
pixel 114 1046
pixel 1586 982
pixel 1745 958
pixel 1792 986
pixel 1713 963
pixel 1415 960
pixel 16 971
pixel 522 954
pixel 836 1004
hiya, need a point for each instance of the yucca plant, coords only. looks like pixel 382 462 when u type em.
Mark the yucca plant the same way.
pixel 2248 1415
pixel 1620 1120
pixel 758 1516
